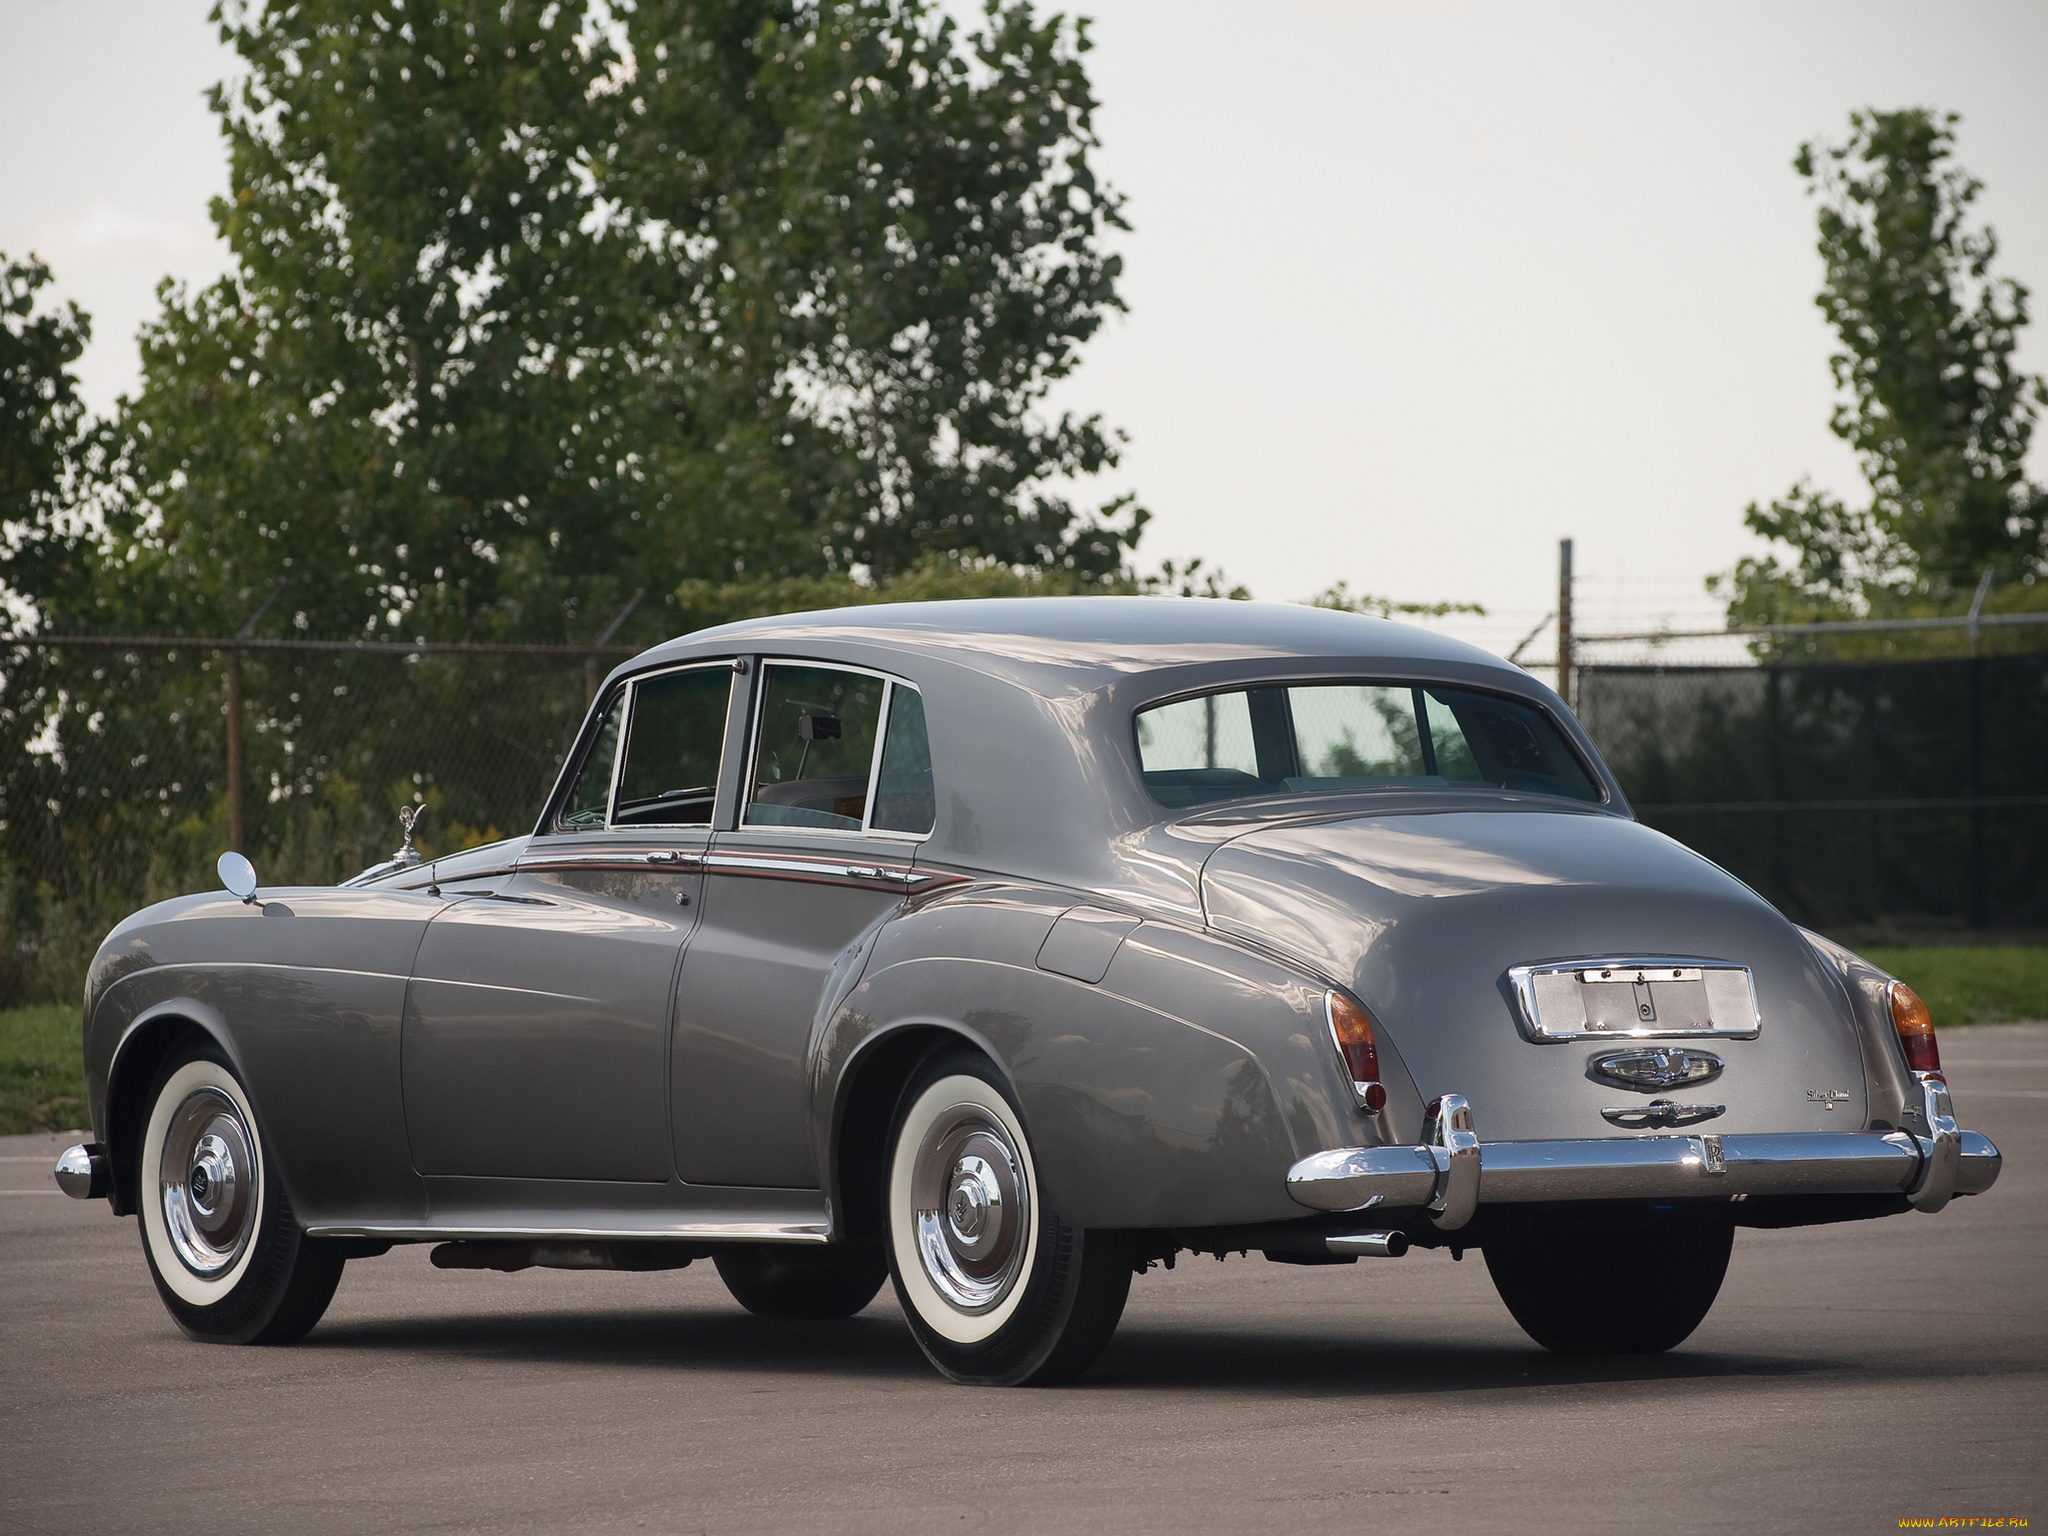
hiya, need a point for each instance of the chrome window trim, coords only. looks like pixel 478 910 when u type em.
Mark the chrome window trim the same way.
pixel 867 810
pixel 866 829
pixel 627 698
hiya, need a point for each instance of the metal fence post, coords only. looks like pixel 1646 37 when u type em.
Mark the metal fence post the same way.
pixel 1564 620
pixel 233 656
pixel 1774 760
pixel 1980 905
pixel 591 676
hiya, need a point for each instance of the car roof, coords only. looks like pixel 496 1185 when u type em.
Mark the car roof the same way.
pixel 1058 645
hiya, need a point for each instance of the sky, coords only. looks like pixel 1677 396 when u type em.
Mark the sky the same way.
pixel 1416 288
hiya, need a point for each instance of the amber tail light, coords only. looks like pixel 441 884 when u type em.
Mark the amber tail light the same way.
pixel 1916 1029
pixel 1351 1029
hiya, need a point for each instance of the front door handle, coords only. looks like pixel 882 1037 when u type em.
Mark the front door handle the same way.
pixel 676 859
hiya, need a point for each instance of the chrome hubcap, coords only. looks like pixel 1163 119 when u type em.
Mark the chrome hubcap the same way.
pixel 973 1208
pixel 207 1181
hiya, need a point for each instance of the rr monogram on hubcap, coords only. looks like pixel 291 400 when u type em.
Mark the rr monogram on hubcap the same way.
pixel 973 1208
pixel 207 1181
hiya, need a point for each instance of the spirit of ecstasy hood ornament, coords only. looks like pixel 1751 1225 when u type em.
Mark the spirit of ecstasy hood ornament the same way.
pixel 408 818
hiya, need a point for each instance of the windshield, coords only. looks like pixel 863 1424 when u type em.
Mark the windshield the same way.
pixel 1325 738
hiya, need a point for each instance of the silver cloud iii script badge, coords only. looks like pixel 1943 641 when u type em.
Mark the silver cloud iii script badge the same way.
pixel 1654 1070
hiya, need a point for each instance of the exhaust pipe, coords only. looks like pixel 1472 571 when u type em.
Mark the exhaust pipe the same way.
pixel 1371 1245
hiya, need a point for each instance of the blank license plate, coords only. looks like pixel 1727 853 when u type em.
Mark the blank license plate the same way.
pixel 1635 999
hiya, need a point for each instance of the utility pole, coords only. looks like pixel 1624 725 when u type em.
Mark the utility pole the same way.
pixel 592 673
pixel 1564 620
pixel 236 828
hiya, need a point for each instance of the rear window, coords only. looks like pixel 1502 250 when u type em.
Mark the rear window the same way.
pixel 1325 738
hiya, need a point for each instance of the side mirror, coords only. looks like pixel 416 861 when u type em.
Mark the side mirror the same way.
pixel 238 875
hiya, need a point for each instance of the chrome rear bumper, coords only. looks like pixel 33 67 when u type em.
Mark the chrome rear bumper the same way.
pixel 1453 1171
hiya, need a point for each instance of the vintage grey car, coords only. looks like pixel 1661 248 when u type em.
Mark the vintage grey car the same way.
pixel 1006 949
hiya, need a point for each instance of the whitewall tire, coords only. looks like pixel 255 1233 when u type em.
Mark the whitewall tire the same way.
pixel 997 1288
pixel 227 1255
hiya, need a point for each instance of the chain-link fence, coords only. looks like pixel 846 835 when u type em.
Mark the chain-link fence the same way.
pixel 117 787
pixel 1910 794
pixel 1906 793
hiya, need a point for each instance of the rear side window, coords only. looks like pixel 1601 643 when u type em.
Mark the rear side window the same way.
pixel 905 800
pixel 1329 738
pixel 840 751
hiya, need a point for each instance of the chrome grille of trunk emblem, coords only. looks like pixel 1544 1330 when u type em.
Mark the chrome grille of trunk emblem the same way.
pixel 1655 1070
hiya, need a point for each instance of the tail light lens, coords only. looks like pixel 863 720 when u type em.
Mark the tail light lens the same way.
pixel 1351 1030
pixel 1916 1029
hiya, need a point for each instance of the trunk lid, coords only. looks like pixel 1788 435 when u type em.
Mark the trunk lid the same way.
pixel 1423 915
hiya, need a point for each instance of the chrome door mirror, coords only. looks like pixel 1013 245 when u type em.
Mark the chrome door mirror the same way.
pixel 238 875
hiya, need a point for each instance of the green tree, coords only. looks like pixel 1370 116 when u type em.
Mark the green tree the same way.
pixel 44 437
pixel 535 305
pixel 1340 597
pixel 1938 415
pixel 47 459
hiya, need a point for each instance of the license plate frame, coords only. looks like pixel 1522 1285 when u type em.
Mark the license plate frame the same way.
pixel 1636 997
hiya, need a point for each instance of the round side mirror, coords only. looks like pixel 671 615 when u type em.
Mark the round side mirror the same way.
pixel 237 874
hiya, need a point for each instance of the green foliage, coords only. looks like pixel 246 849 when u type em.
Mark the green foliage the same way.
pixel 1973 983
pixel 534 306
pixel 49 450
pixel 935 578
pixel 42 1070
pixel 1939 417
pixel 1344 600
pixel 41 417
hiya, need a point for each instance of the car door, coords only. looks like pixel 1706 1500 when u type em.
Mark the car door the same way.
pixel 837 795
pixel 536 1030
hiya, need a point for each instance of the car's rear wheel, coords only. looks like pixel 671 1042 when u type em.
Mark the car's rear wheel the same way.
pixel 797 1282
pixel 999 1291
pixel 226 1253
pixel 1621 1291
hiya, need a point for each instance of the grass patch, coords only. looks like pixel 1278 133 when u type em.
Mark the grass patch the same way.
pixel 1973 984
pixel 42 1070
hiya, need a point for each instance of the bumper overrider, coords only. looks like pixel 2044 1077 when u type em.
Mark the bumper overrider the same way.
pixel 1453 1172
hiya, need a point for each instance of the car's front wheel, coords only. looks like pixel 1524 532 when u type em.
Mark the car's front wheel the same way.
pixel 999 1291
pixel 226 1253
pixel 1634 1290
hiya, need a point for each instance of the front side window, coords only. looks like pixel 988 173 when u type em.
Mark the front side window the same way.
pixel 590 797
pixel 675 737
pixel 1325 738
pixel 826 759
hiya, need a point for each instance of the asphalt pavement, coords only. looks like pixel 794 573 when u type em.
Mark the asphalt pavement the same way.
pixel 1850 1377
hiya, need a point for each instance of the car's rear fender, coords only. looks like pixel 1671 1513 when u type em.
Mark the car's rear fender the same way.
pixel 1174 1092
